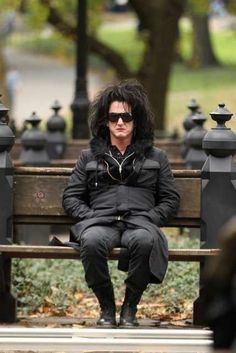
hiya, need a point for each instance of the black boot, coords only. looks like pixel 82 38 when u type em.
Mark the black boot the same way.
pixel 129 308
pixel 105 296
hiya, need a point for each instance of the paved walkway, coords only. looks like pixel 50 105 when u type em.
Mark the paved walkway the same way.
pixel 42 80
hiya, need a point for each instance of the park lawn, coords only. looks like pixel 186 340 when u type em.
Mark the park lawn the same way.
pixel 126 41
pixel 209 87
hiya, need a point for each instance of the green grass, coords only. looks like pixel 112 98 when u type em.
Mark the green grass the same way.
pixel 208 78
pixel 126 42
pixel 208 86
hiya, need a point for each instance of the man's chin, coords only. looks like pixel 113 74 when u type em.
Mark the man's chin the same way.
pixel 121 134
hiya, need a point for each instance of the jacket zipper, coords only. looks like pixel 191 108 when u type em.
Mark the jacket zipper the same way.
pixel 119 164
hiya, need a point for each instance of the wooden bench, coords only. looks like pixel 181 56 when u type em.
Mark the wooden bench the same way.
pixel 37 200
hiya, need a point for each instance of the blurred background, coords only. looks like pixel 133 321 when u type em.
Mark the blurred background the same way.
pixel 179 50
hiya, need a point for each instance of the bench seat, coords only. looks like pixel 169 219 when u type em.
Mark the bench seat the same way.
pixel 63 252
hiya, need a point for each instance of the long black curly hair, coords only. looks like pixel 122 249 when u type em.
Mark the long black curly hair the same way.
pixel 131 92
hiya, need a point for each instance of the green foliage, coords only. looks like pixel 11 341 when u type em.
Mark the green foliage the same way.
pixel 36 14
pixel 9 4
pixel 181 283
pixel 232 7
pixel 39 282
pixel 198 7
pixel 94 14
pixel 65 7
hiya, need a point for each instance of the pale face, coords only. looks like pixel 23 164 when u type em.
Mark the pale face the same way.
pixel 120 131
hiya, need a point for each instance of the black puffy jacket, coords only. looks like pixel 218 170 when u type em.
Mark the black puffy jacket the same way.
pixel 141 192
pixel 148 190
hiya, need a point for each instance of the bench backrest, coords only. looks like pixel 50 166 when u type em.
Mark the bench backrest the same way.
pixel 38 195
pixel 74 147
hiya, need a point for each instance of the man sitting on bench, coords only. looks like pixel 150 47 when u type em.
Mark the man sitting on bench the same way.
pixel 121 191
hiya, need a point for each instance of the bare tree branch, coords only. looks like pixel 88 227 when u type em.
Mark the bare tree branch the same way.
pixel 108 54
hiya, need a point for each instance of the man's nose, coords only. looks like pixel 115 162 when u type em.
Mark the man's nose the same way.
pixel 120 121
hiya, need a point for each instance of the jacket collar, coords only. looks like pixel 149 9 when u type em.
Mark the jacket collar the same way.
pixel 100 146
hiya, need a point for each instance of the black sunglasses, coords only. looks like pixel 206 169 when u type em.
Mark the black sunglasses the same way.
pixel 114 117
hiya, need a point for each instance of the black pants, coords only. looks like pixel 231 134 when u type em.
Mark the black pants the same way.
pixel 97 243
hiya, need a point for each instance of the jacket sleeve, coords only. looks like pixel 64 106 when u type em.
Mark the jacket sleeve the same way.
pixel 74 198
pixel 167 196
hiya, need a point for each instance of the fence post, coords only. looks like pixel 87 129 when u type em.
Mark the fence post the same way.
pixel 188 124
pixel 218 192
pixel 196 156
pixel 34 141
pixel 56 138
pixel 7 300
pixel 218 200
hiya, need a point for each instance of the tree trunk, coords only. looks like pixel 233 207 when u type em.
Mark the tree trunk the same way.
pixel 161 18
pixel 202 52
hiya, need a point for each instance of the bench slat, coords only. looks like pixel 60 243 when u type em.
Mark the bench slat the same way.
pixel 187 173
pixel 61 252
pixel 70 163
